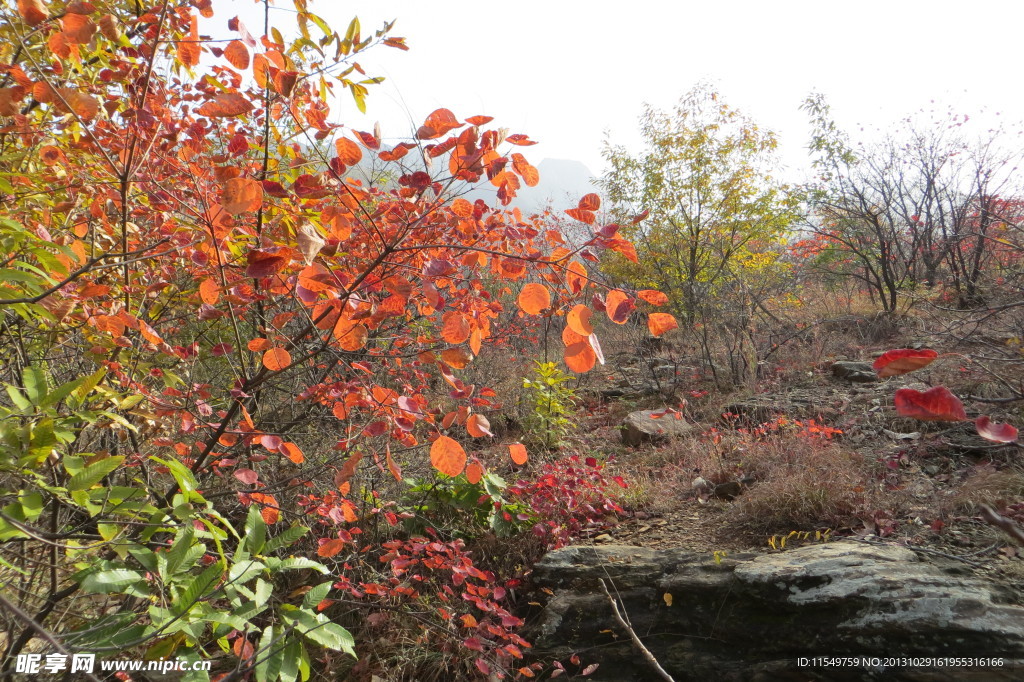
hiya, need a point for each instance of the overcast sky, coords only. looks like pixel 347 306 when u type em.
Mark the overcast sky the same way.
pixel 565 71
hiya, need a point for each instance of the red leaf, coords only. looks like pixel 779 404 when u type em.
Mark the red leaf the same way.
pixel 265 263
pixel 936 404
pixel 903 360
pixel 1000 433
pixel 247 476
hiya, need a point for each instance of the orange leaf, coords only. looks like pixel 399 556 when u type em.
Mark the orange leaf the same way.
pixel 589 202
pixel 527 172
pixel 518 453
pixel 576 277
pixel 659 323
pixel 456 357
pixel 256 345
pixel 209 292
pixel 238 54
pixel 395 470
pixel 241 195
pixel 189 48
pixel 226 104
pixel 276 359
pixel 350 337
pixel 578 320
pixel 437 124
pixel 83 105
pixel 455 327
pixel 462 208
pixel 581 215
pixel 478 426
pixel 474 472
pixel 653 297
pixel 331 548
pixel 33 11
pixel 618 306
pixel 534 299
pixel 349 152
pixel 580 357
pixel 292 452
pixel 447 456
pixel 9 99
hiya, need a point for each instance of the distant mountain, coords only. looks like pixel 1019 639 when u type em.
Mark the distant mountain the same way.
pixel 562 183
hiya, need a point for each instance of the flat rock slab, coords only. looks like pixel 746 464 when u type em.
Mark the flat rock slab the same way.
pixel 751 617
pixel 643 427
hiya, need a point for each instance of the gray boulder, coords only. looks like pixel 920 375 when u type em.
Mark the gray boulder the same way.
pixel 854 371
pixel 753 617
pixel 642 427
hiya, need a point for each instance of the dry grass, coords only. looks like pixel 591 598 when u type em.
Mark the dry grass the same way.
pixel 987 485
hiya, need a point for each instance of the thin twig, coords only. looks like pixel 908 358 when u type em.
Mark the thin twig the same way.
pixel 644 651
pixel 1006 525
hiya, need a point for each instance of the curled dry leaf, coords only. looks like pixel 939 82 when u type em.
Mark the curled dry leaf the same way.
pixel 310 242
pixel 478 426
pixel 995 431
pixel 902 360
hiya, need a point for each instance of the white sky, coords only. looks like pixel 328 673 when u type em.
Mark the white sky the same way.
pixel 565 71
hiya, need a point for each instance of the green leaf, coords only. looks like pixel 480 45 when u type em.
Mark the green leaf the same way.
pixel 255 531
pixel 290 661
pixel 295 563
pixel 18 398
pixel 94 473
pixel 318 629
pixel 63 391
pixel 88 385
pixel 270 655
pixel 117 580
pixel 175 556
pixel 200 587
pixel 35 384
pixel 184 478
pixel 286 539
pixel 31 505
pixel 316 595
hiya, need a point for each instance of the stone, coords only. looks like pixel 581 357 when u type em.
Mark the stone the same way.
pixel 641 427
pixel 854 371
pixel 751 616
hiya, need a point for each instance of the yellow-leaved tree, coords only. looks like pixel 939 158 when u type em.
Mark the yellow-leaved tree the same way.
pixel 714 225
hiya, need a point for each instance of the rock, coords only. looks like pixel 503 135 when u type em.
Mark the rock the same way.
pixel 750 617
pixel 641 427
pixel 854 371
